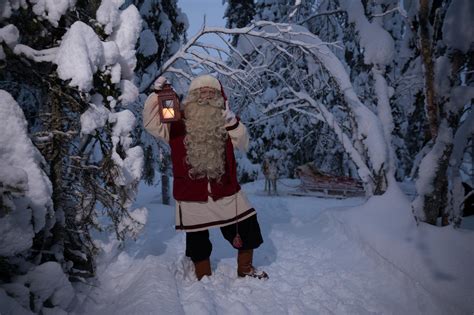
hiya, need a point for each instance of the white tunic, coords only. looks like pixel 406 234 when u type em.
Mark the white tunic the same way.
pixel 197 216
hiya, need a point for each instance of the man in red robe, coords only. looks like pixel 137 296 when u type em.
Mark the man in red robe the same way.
pixel 205 184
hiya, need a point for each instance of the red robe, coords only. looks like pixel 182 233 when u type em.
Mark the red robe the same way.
pixel 187 189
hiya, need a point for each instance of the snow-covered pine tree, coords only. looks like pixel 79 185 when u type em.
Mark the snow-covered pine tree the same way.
pixel 69 66
pixel 405 76
pixel 164 29
pixel 238 14
pixel 27 217
pixel 277 10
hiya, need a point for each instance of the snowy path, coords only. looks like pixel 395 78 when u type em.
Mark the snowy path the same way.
pixel 316 263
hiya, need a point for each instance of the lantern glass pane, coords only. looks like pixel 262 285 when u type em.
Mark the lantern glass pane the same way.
pixel 168 113
pixel 167 103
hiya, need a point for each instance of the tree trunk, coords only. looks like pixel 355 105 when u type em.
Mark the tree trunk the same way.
pixel 56 166
pixel 427 57
pixel 436 202
pixel 385 115
pixel 66 234
pixel 432 182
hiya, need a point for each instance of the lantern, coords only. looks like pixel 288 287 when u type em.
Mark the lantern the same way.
pixel 168 104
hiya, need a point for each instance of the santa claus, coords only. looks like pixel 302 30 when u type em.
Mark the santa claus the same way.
pixel 205 182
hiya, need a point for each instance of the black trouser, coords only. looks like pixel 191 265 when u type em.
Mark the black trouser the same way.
pixel 199 247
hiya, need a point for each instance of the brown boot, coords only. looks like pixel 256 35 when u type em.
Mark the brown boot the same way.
pixel 245 267
pixel 202 268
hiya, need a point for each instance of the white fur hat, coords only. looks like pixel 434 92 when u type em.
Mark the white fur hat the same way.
pixel 205 81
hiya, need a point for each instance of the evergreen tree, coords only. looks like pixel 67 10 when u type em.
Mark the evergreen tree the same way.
pixel 73 87
pixel 164 29
pixel 239 14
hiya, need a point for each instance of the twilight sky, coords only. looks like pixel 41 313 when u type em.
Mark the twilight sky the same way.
pixel 196 9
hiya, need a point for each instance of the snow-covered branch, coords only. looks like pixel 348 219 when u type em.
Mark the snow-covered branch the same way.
pixel 319 14
pixel 293 42
pixel 396 9
pixel 45 55
pixel 275 33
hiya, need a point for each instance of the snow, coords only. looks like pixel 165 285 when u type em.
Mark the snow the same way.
pixel 111 53
pixel 108 14
pixel 9 305
pixel 130 168
pixel 115 73
pixel 134 162
pixel 246 168
pixel 9 35
pixel 460 97
pixel 124 124
pixel 46 55
pixel 48 282
pixel 148 44
pixel 95 117
pixel 16 229
pixel 428 166
pixel 129 92
pixel 438 260
pixel 21 175
pixel 296 5
pixel 457 26
pixel 442 71
pixel 53 311
pixel 384 113
pixel 324 256
pixel 269 95
pixel 134 224
pixel 52 10
pixel 126 35
pixel 79 56
pixel 376 42
pixel 461 138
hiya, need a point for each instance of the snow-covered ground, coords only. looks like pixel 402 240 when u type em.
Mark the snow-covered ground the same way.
pixel 324 256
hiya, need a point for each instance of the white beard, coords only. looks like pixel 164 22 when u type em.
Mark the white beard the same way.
pixel 205 139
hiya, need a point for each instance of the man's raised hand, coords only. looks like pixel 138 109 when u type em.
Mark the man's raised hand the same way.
pixel 158 84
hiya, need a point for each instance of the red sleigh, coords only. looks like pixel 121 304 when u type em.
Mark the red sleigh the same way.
pixel 315 181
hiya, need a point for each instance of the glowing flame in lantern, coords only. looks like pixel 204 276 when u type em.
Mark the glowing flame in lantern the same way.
pixel 168 113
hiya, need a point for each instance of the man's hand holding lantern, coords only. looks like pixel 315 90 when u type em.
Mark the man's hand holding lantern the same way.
pixel 159 83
